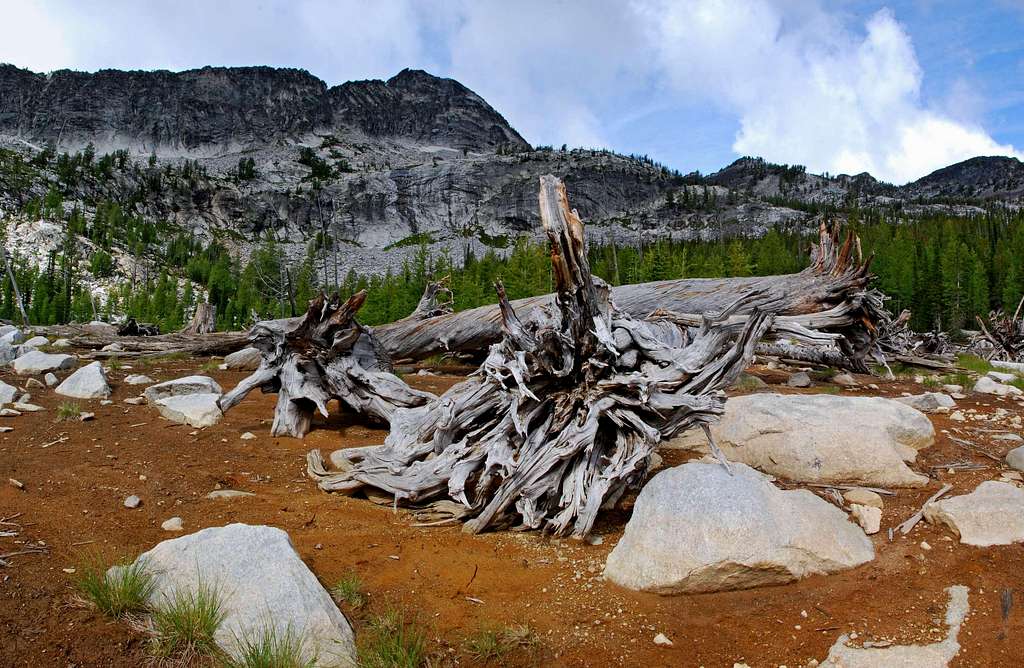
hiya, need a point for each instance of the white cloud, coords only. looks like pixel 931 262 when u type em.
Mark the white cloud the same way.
pixel 808 90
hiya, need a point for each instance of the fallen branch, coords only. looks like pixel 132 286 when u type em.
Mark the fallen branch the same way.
pixel 912 521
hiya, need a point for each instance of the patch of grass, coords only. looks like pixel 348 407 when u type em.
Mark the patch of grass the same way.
pixel 114 363
pixel 68 410
pixel 932 382
pixel 973 363
pixel 494 644
pixel 829 389
pixel 270 647
pixel 824 374
pixel 167 357
pixel 122 592
pixel 392 641
pixel 184 624
pixel 349 590
pixel 209 366
pixel 961 379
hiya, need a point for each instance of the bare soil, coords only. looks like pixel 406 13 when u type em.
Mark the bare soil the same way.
pixel 455 584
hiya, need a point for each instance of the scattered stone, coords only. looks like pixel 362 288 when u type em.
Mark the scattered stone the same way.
pixel 24 398
pixel 935 655
pixel 85 416
pixel 135 401
pixel 662 640
pixel 7 393
pixel 248 436
pixel 228 494
pixel 799 379
pixel 105 402
pixel 88 382
pixel 7 353
pixel 698 528
pixel 113 347
pixel 9 412
pixel 173 524
pixel 16 483
pixel 132 502
pixel 61 343
pixel 868 517
pixel 262 581
pixel 36 362
pixel 197 410
pixel 246 359
pixel 1012 438
pixel 182 387
pixel 50 379
pixel 844 380
pixel 1001 376
pixel 37 341
pixel 138 379
pixel 985 385
pixel 993 514
pixel 4 430
pixel 864 497
pixel 953 389
pixel 929 402
pixel 34 384
pixel 821 438
pixel 1015 458
pixel 957 416
pixel 26 407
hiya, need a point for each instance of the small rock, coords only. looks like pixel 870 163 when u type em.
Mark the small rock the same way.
pixel 88 382
pixel 228 494
pixel 662 640
pixel 173 524
pixel 1001 376
pixel 26 408
pixel 16 483
pixel 9 412
pixel 799 379
pixel 7 393
pixel 986 385
pixel 993 514
pixel 132 502
pixel 85 416
pixel 1012 438
pixel 844 380
pixel 925 546
pixel 138 379
pixel 37 341
pixel 36 362
pixel 105 402
pixel 957 416
pixel 61 343
pixel 34 384
pixel 248 436
pixel 929 402
pixel 197 410
pixel 189 385
pixel 112 347
pixel 1015 457
pixel 868 517
pixel 864 497
pixel 50 379
pixel 135 401
pixel 24 398
pixel 4 430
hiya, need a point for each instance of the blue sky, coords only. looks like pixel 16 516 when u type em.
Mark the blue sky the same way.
pixel 895 88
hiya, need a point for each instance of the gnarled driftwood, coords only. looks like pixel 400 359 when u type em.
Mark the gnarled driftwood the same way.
pixel 567 409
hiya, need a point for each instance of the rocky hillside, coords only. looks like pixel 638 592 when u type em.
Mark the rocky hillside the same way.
pixel 376 168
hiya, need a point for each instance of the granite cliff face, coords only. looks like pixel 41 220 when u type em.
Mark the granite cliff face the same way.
pixel 381 167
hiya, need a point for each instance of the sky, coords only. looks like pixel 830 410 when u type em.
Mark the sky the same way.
pixel 897 89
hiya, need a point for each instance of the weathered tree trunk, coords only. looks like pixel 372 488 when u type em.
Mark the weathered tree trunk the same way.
pixel 325 355
pixel 567 409
pixel 204 321
pixel 836 282
pixel 14 286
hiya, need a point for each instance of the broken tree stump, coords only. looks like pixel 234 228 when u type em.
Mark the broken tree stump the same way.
pixel 203 321
pixel 324 355
pixel 567 410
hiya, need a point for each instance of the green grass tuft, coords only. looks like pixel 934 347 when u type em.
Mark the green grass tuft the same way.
pixel 494 644
pixel 973 363
pixel 961 379
pixel 184 624
pixel 270 648
pixel 114 363
pixel 124 591
pixel 392 641
pixel 68 410
pixel 349 590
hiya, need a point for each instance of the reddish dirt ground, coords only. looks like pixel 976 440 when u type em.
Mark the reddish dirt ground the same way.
pixel 455 584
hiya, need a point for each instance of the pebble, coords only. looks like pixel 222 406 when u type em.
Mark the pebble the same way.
pixel 173 524
pixel 132 502
pixel 105 402
pixel 6 429
pixel 16 483
pixel 662 640
pixel 26 407
pixel 9 412
pixel 34 383
pixel 248 436
pixel 85 416
pixel 51 379
pixel 135 401
pixel 925 546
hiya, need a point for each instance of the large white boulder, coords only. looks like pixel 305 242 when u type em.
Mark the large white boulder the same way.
pixel 986 385
pixel 88 382
pixel 36 362
pixel 12 336
pixel 698 528
pixel 993 514
pixel 928 402
pixel 246 359
pixel 261 581
pixel 182 386
pixel 822 438
pixel 198 410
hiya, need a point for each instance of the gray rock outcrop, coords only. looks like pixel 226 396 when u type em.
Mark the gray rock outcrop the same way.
pixel 36 362
pixel 88 382
pixel 993 514
pixel 182 386
pixel 928 402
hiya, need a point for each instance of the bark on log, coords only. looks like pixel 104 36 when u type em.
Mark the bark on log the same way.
pixel 90 338
pixel 836 282
pixel 326 355
pixel 204 321
pixel 566 411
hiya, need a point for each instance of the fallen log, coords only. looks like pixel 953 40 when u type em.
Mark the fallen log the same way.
pixel 568 408
pixel 836 283
pixel 90 338
pixel 326 355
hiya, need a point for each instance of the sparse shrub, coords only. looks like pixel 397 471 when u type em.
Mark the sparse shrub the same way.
pixel 114 363
pixel 270 647
pixel 124 591
pixel 392 641
pixel 961 379
pixel 932 382
pixel 183 625
pixel 349 590
pixel 492 644
pixel 68 410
